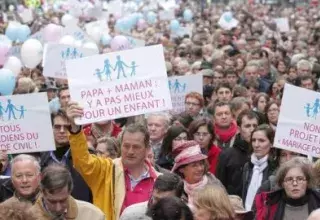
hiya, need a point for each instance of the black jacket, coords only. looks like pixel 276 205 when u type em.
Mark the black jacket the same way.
pixel 247 175
pixel 80 191
pixel 230 166
pixel 6 189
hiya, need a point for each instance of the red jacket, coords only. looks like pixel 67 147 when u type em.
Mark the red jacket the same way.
pixel 264 211
pixel 213 156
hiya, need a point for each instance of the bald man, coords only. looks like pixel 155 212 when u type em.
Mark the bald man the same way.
pixel 315 215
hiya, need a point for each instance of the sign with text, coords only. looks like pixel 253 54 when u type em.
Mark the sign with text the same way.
pixel 282 24
pixel 119 84
pixel 180 86
pixel 25 124
pixel 298 127
pixel 55 56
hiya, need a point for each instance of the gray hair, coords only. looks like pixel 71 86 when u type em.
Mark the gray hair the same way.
pixel 26 157
pixel 164 115
pixel 55 177
pixel 304 63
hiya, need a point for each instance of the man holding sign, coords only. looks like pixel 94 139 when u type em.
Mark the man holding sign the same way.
pixel 115 184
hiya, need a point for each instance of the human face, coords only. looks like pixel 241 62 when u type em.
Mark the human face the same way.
pixel 240 64
pixel 286 155
pixel 150 156
pixel 247 127
pixel 292 73
pixel 273 114
pixel 261 144
pixel 251 73
pixel 295 184
pixel 224 94
pixel 4 160
pixel 203 137
pixel 232 79
pixel 281 67
pixel 307 84
pixel 157 195
pixel 57 202
pixel 229 64
pixel 192 106
pixel 201 214
pixel 102 150
pixel 217 78
pixel 64 98
pixel 182 137
pixel 60 128
pixel 133 149
pixel 275 88
pixel 25 178
pixel 304 71
pixel 223 116
pixel 156 127
pixel 244 106
pixel 262 103
pixel 193 172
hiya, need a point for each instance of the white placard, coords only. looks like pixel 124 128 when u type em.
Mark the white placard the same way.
pixel 55 56
pixel 298 127
pixel 227 21
pixel 282 24
pixel 119 84
pixel 26 15
pixel 167 15
pixel 25 124
pixel 101 24
pixel 76 32
pixel 180 86
pixel 135 42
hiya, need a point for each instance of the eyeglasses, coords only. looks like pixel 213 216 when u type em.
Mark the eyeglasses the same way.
pixel 203 134
pixel 59 127
pixel 192 104
pixel 298 179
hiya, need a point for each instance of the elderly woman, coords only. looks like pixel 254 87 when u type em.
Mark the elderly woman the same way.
pixel 192 166
pixel 296 199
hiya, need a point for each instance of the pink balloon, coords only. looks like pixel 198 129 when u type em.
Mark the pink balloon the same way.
pixel 119 43
pixel 142 24
pixel 52 33
pixel 4 49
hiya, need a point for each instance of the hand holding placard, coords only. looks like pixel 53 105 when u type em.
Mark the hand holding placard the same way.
pixel 74 111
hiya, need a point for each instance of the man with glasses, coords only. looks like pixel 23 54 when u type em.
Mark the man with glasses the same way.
pixel 24 181
pixel 62 155
pixel 194 103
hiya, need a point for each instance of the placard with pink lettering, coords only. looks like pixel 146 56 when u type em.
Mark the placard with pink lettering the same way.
pixel 298 127
pixel 25 124
pixel 119 84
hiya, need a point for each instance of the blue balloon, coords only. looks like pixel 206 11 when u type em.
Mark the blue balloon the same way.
pixel 7 82
pixel 187 15
pixel 151 17
pixel 105 39
pixel 23 33
pixel 174 25
pixel 12 32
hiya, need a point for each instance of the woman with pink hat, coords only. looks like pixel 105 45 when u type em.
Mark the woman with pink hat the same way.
pixel 192 166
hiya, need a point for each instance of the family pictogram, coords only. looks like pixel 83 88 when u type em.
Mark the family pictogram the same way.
pixel 9 112
pixel 177 87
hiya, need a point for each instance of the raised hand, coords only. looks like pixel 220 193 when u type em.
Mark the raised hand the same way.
pixel 74 111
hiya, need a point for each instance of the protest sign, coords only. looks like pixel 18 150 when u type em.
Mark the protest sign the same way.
pixel 25 124
pixel 55 56
pixel 135 42
pixel 298 127
pixel 227 21
pixel 119 84
pixel 77 33
pixel 282 24
pixel 180 86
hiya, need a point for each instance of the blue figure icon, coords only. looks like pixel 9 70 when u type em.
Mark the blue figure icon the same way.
pixel 170 85
pixel 176 86
pixel 308 109
pixel 68 53
pixel 107 69
pixel 133 67
pixel 22 110
pixel 120 67
pixel 184 87
pixel 11 108
pixel 316 107
pixel 1 111
pixel 62 54
pixel 74 53
pixel 99 74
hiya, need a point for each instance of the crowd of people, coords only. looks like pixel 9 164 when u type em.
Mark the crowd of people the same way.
pixel 213 161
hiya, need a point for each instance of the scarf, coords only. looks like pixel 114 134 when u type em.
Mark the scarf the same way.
pixel 190 188
pixel 225 135
pixel 256 179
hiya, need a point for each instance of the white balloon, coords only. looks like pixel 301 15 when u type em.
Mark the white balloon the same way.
pixel 67 39
pixel 11 8
pixel 13 64
pixel 68 19
pixel 92 46
pixel 31 53
pixel 78 43
pixel 95 34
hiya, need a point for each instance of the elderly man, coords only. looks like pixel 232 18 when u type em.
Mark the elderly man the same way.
pixel 304 68
pixel 25 180
pixel 251 73
pixel 115 184
pixel 158 124
pixel 55 201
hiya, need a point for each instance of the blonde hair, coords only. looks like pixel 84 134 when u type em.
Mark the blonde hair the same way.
pixel 215 200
